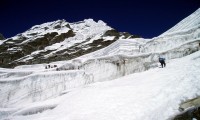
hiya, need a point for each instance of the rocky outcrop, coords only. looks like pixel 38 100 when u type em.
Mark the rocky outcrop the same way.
pixel 12 50
pixel 190 110
pixel 1 37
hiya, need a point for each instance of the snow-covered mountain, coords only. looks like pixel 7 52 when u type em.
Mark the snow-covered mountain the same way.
pixel 58 40
pixel 121 81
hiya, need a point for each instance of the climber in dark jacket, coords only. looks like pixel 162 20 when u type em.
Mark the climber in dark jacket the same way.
pixel 162 61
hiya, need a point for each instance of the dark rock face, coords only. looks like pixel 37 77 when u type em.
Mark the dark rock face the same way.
pixel 1 37
pixel 189 114
pixel 7 57
pixel 112 33
pixel 190 109
pixel 128 35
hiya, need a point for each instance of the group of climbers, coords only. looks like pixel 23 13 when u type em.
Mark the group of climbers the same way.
pixel 48 66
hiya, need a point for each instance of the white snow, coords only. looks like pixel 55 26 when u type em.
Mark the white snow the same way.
pixel 14 49
pixel 109 38
pixel 47 28
pixel 53 47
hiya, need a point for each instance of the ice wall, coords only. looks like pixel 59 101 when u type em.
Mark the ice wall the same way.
pixel 171 41
pixel 121 46
pixel 115 66
pixel 39 86
pixel 14 74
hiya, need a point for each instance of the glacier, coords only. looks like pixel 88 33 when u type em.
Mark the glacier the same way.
pixel 120 81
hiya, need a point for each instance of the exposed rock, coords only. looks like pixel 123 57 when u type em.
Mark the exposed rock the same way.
pixel 189 110
pixel 128 35
pixel 190 114
pixel 1 37
pixel 112 33
pixel 34 45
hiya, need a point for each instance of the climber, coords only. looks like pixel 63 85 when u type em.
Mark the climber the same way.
pixel 162 61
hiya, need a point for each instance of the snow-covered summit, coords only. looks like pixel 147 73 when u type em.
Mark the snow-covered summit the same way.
pixel 62 26
pixel 186 31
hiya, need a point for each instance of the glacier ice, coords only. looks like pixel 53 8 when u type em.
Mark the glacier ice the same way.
pixel 39 86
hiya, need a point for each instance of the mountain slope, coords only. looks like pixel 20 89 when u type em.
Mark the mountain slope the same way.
pixel 58 40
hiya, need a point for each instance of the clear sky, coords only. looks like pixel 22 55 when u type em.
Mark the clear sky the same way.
pixel 147 18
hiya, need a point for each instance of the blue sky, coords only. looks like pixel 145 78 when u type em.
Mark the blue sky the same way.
pixel 147 18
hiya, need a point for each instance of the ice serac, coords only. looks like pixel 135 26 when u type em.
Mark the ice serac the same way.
pixel 29 84
pixel 21 89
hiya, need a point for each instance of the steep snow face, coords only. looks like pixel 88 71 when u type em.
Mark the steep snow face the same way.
pixel 189 22
pixel 90 28
pixel 121 46
pixel 185 31
pixel 59 26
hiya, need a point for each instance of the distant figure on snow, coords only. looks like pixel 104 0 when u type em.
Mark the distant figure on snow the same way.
pixel 162 61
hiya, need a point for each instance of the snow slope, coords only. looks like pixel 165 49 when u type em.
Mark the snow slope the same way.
pixel 189 22
pixel 134 97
